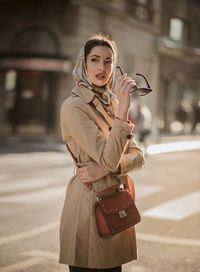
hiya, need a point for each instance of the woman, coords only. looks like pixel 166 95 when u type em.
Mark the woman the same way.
pixel 95 127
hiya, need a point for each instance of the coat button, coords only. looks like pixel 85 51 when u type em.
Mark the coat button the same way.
pixel 110 128
pixel 129 136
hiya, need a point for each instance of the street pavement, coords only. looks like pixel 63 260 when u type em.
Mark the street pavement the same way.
pixel 33 180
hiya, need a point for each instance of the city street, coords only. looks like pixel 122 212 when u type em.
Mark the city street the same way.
pixel 33 181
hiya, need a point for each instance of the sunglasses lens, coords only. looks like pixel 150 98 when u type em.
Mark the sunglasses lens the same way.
pixel 144 91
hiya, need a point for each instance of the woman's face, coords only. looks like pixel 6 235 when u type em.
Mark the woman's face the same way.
pixel 99 65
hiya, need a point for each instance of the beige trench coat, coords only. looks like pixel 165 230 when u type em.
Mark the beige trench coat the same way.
pixel 93 135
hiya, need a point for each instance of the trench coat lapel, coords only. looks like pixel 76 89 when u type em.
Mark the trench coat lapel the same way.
pixel 88 96
pixel 101 109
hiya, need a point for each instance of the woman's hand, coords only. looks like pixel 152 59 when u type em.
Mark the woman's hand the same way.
pixel 123 91
pixel 90 171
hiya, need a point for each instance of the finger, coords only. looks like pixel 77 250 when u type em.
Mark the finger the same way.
pixel 80 173
pixel 82 169
pixel 130 86
pixel 121 79
pixel 82 164
pixel 83 175
pixel 121 83
pixel 127 81
pixel 127 85
pixel 86 180
pixel 123 76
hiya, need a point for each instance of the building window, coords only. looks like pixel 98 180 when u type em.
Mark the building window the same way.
pixel 140 9
pixel 178 30
pixel 10 80
pixel 142 13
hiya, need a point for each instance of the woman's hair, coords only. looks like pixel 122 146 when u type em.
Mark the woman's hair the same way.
pixel 102 40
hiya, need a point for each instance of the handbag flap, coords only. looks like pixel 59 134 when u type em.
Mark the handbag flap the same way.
pixel 116 202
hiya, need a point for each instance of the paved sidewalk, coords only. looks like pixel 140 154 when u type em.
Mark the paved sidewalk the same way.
pixel 33 179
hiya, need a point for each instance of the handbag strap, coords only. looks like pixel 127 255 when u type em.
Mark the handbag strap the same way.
pixel 73 157
pixel 110 189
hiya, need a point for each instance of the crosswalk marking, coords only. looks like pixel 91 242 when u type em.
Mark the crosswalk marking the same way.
pixel 131 267
pixel 143 190
pixel 22 265
pixel 36 159
pixel 29 183
pixel 172 147
pixel 148 237
pixel 37 196
pixel 54 192
pixel 41 253
pixel 177 209
pixel 29 233
pixel 141 236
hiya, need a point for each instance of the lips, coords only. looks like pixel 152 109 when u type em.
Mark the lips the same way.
pixel 100 76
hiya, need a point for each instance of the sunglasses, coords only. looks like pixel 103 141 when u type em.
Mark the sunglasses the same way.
pixel 141 91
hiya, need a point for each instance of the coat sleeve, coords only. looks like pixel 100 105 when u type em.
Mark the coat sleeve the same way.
pixel 76 123
pixel 132 161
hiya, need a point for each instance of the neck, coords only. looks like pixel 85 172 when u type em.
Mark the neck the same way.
pixel 99 87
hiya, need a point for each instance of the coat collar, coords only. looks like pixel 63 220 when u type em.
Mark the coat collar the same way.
pixel 84 93
pixel 89 96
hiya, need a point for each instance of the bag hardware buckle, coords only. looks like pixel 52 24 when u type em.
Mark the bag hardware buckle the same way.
pixel 122 214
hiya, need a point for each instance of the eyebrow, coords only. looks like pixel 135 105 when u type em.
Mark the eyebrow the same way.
pixel 99 57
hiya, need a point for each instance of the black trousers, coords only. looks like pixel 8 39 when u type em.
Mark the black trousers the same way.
pixel 85 269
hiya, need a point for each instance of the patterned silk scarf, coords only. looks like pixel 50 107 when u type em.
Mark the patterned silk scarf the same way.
pixel 102 93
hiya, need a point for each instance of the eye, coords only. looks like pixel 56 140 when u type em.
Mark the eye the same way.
pixel 94 60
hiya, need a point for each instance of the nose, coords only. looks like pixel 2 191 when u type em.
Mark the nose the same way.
pixel 101 66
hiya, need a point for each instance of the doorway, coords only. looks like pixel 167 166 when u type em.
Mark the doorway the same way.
pixel 29 102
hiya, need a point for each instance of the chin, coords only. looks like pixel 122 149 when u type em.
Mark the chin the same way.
pixel 99 84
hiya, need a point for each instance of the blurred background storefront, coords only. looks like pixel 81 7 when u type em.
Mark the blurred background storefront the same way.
pixel 40 41
pixel 179 50
pixel 30 94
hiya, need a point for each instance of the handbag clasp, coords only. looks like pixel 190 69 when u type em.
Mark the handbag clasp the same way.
pixel 122 214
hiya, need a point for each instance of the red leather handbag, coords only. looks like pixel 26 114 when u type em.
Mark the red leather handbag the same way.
pixel 115 208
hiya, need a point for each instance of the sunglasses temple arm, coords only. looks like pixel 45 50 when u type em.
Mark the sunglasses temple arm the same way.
pixel 136 87
pixel 145 80
pixel 122 73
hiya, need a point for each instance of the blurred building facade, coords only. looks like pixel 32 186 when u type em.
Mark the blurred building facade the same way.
pixel 41 41
pixel 179 50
